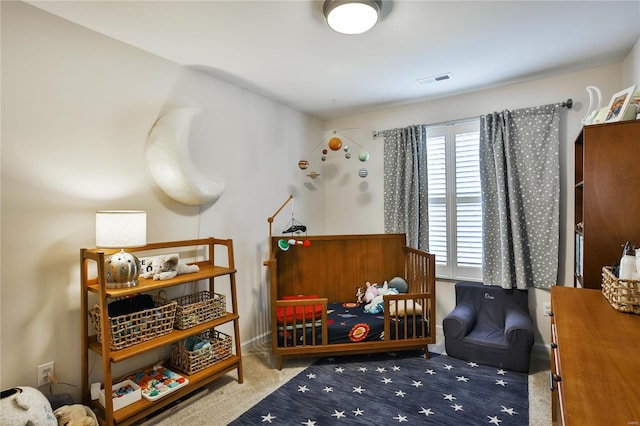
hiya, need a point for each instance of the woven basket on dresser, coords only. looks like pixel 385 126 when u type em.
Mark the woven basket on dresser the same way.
pixel 624 295
pixel 131 329
pixel 193 361
pixel 199 308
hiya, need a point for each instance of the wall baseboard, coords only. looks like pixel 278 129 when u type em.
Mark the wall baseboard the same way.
pixel 541 350
pixel 260 340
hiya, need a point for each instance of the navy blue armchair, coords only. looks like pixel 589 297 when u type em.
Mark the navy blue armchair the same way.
pixel 491 326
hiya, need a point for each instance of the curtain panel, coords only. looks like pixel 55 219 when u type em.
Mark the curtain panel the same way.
pixel 520 181
pixel 406 207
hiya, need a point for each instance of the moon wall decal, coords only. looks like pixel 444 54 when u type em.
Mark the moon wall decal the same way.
pixel 169 163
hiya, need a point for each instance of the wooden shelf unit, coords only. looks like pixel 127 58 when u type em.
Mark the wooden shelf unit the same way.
pixel 607 197
pixel 97 285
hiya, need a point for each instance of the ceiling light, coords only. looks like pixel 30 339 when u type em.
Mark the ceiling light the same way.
pixel 351 16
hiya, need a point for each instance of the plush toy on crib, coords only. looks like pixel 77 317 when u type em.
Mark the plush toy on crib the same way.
pixel 371 292
pixel 374 297
pixel 399 284
pixel 165 267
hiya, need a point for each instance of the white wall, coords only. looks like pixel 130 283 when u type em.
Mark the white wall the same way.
pixel 76 111
pixel 631 68
pixel 355 205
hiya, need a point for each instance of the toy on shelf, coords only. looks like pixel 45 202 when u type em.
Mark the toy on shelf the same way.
pixel 165 267
pixel 157 382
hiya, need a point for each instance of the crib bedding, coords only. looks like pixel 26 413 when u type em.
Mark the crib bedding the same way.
pixel 348 323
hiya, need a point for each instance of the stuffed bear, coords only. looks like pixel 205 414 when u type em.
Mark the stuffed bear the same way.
pixel 75 415
pixel 165 267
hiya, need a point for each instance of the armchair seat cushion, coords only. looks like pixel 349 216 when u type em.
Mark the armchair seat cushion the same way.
pixel 491 326
pixel 493 337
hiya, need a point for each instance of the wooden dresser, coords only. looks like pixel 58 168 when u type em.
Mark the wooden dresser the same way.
pixel 595 360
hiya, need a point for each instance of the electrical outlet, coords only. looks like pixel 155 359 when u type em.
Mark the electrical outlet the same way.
pixel 43 371
pixel 547 309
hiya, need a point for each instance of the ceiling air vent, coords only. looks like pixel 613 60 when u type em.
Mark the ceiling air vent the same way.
pixel 434 78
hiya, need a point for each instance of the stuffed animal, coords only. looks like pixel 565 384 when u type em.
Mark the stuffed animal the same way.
pixel 399 284
pixel 359 295
pixel 75 415
pixel 376 305
pixel 165 267
pixel 371 292
pixel 25 406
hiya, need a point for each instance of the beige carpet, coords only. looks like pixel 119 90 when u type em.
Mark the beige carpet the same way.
pixel 226 399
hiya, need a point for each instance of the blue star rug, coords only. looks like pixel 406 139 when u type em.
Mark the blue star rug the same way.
pixel 384 389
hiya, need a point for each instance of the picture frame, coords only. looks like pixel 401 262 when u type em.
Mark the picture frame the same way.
pixel 618 104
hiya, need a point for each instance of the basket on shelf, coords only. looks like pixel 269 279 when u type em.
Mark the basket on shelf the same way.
pixel 198 308
pixel 216 348
pixel 137 327
pixel 624 295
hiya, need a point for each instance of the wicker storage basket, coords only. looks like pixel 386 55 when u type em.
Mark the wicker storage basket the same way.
pixel 199 308
pixel 131 329
pixel 624 295
pixel 193 361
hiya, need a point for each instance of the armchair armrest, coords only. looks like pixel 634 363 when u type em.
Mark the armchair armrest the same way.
pixel 460 321
pixel 518 323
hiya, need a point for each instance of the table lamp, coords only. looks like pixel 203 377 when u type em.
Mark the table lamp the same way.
pixel 121 229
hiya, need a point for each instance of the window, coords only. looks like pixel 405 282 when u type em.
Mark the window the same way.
pixel 455 211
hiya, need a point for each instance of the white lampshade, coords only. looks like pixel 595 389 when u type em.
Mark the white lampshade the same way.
pixel 121 228
pixel 351 16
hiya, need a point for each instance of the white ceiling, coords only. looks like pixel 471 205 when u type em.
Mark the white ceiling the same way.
pixel 285 51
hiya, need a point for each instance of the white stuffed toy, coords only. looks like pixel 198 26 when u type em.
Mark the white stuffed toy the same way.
pixel 165 267
pixel 75 415
pixel 25 406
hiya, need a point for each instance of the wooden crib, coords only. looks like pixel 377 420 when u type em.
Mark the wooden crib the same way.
pixel 313 295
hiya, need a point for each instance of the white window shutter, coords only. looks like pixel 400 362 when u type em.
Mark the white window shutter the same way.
pixel 455 215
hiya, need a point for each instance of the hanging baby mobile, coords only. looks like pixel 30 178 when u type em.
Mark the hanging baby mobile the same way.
pixel 293 227
pixel 334 145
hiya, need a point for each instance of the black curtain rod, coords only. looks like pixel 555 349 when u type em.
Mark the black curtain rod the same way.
pixel 566 104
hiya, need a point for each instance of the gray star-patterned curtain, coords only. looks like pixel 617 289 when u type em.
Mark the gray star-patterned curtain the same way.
pixel 405 184
pixel 520 181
